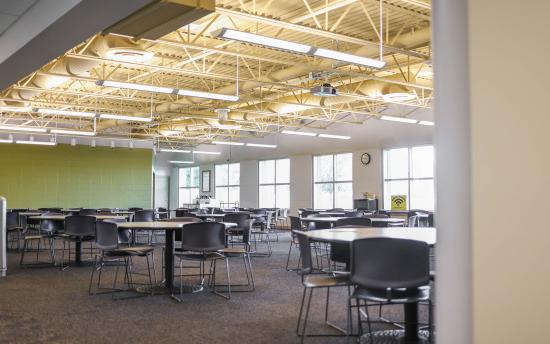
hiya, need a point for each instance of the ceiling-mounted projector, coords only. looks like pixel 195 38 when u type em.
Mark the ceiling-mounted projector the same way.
pixel 326 90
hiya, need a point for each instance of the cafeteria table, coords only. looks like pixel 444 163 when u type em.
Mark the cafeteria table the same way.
pixel 78 244
pixel 349 234
pixel 169 228
pixel 389 220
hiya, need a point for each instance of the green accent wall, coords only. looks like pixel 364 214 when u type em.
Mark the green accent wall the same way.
pixel 80 176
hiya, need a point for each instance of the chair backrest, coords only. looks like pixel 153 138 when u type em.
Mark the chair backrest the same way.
pixel 295 223
pixel 305 252
pixel 238 218
pixel 80 225
pixel 87 212
pixel 125 235
pixel 360 221
pixel 190 219
pixel 106 235
pixel 203 237
pixel 144 216
pixel 307 213
pixel 382 263
pixel 51 226
pixel 134 209
pixel 12 219
pixel 357 213
pixel 105 211
pixel 162 213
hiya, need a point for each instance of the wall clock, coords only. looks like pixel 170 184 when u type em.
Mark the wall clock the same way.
pixel 365 159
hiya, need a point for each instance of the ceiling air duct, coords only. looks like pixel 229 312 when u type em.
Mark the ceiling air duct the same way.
pixel 161 17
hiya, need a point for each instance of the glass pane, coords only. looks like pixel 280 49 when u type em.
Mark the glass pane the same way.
pixel 282 196
pixel 234 195
pixel 194 195
pixel 267 196
pixel 184 196
pixel 422 161
pixel 343 167
pixel 396 163
pixel 343 197
pixel 234 174
pixel 221 175
pixel 323 196
pixel 398 187
pixel 422 194
pixel 322 168
pixel 184 177
pixel 267 171
pixel 194 176
pixel 283 171
pixel 221 194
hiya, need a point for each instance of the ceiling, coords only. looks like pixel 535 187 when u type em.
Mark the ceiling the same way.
pixel 273 85
pixel 11 11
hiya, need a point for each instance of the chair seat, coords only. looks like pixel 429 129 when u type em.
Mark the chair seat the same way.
pixel 36 236
pixel 74 238
pixel 395 295
pixel 15 229
pixel 234 250
pixel 186 255
pixel 130 251
pixel 319 281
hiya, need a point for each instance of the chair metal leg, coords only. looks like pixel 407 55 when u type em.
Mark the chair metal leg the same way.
pixel 150 278
pixel 307 315
pixel 94 267
pixel 300 313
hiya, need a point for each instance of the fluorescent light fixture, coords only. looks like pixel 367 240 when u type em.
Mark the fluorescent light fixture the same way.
pixel 168 150
pixel 330 136
pixel 426 123
pixel 72 132
pixel 125 118
pixel 137 87
pixel 301 133
pixel 228 143
pixel 206 153
pixel 15 108
pixel 262 40
pixel 208 95
pixel 261 145
pixel 31 141
pixel 29 129
pixel 66 113
pixel 167 90
pixel 399 119
pixel 181 162
pixel 359 60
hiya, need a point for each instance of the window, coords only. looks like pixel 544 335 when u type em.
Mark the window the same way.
pixel 188 185
pixel 274 183
pixel 227 181
pixel 410 172
pixel 332 179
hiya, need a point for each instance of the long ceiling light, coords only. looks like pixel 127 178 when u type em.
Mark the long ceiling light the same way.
pixel 181 162
pixel 167 90
pixel 301 133
pixel 16 108
pixel 66 113
pixel 72 132
pixel 28 129
pixel 399 119
pixel 228 143
pixel 354 59
pixel 137 87
pixel 260 145
pixel 297 47
pixel 262 40
pixel 169 150
pixel 426 123
pixel 125 118
pixel 206 152
pixel 340 137
pixel 31 141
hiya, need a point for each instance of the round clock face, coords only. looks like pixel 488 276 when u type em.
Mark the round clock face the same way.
pixel 365 158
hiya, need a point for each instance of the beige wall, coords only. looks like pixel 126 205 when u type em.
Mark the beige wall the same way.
pixel 510 136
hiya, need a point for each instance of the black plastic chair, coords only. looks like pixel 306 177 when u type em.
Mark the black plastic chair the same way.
pixel 47 232
pixel 134 209
pixel 88 212
pixel 78 229
pixel 389 271
pixel 144 216
pixel 107 241
pixel 312 281
pixel 13 228
pixel 162 213
pixel 201 242
pixel 240 219
pixel 243 249
pixel 295 225
pixel 350 221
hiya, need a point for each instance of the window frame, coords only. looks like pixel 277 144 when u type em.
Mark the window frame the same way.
pixel 333 182
pixel 226 201
pixel 274 184
pixel 187 187
pixel 409 178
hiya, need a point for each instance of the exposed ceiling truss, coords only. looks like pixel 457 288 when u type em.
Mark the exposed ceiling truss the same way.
pixel 273 85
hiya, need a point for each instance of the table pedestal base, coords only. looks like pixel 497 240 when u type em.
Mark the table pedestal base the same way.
pixel 394 337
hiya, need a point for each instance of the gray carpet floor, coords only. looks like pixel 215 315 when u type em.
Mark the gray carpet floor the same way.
pixel 47 305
